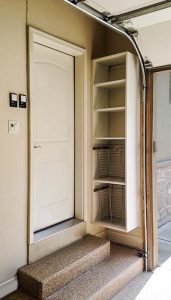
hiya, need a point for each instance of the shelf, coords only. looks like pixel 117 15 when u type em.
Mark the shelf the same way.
pixel 110 180
pixel 115 116
pixel 108 110
pixel 115 59
pixel 108 224
pixel 109 138
pixel 111 84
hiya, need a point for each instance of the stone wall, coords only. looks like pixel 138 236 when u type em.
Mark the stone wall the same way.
pixel 164 189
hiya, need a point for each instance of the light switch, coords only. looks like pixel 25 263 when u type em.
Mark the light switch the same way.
pixel 13 127
pixel 22 101
pixel 13 97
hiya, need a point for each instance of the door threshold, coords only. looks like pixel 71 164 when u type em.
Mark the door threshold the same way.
pixel 50 231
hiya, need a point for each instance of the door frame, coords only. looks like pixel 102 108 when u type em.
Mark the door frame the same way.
pixel 80 76
pixel 150 171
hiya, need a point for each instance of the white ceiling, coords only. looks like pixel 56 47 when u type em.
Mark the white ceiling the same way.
pixel 157 17
pixel 116 7
pixel 154 29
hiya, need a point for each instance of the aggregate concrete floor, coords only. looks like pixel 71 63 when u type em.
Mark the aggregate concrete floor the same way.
pixel 164 242
pixel 153 285
pixel 149 286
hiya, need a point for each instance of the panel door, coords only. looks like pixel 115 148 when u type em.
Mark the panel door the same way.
pixel 52 136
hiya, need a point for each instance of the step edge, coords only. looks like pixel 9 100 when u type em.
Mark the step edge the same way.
pixel 82 258
pixel 62 249
pixel 21 269
pixel 138 264
pixel 81 272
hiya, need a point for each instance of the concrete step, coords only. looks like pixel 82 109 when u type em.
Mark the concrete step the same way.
pixel 18 295
pixel 106 279
pixel 40 279
pixel 112 277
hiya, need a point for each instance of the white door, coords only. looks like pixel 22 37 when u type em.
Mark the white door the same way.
pixel 52 136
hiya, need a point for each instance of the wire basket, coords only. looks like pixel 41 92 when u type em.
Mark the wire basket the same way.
pixel 111 198
pixel 110 161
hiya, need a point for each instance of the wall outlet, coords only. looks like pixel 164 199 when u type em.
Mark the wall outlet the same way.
pixel 13 127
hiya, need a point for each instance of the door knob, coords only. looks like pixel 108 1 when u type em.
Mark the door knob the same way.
pixel 37 146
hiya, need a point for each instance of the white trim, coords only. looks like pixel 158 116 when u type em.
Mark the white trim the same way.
pixel 125 239
pixel 49 231
pixel 55 43
pixel 80 54
pixel 8 286
pixel 55 242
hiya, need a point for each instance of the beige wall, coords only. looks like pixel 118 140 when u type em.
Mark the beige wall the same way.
pixel 13 149
pixel 56 18
pixel 117 43
pixel 59 19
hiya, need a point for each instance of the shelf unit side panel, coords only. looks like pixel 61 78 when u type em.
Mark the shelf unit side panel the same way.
pixel 132 143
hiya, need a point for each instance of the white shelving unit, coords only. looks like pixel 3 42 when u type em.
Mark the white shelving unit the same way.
pixel 116 142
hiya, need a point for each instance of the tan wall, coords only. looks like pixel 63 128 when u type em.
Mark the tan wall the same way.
pixel 13 149
pixel 117 43
pixel 57 18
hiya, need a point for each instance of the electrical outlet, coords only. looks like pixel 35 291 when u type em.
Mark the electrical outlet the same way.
pixel 13 127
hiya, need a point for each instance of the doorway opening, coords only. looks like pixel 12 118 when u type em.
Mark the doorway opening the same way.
pixel 56 134
pixel 162 162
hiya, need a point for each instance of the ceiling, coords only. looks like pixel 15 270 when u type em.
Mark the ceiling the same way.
pixel 153 18
pixel 116 7
pixel 119 7
pixel 154 26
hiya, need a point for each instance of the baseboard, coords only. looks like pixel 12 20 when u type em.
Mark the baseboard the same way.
pixel 8 286
pixel 125 239
pixel 102 234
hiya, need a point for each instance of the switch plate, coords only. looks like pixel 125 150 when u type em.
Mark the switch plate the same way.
pixel 13 100
pixel 22 101
pixel 13 127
